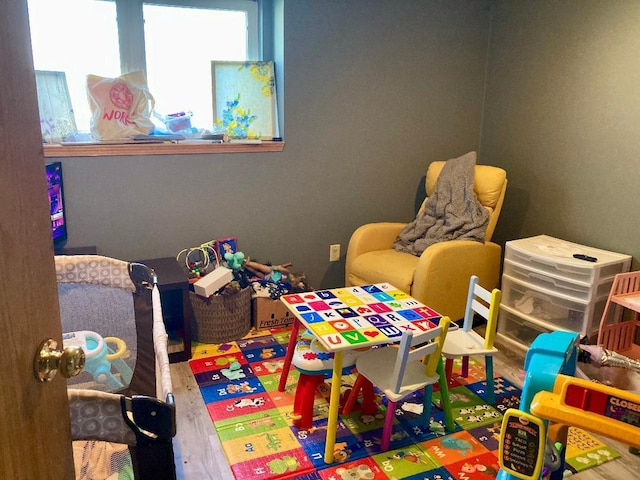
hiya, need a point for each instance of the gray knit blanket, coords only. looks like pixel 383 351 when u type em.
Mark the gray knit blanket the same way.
pixel 452 212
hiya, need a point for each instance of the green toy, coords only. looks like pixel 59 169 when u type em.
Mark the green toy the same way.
pixel 235 261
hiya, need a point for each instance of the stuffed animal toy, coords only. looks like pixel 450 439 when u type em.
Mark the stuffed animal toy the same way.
pixel 236 261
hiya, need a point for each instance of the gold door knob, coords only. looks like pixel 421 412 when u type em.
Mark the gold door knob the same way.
pixel 49 360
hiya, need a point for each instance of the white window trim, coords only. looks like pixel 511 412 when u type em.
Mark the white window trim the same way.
pixel 131 31
pixel 180 148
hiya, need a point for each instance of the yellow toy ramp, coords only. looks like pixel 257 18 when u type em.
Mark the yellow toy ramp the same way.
pixel 594 407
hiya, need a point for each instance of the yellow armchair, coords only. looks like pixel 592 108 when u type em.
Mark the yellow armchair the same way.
pixel 440 276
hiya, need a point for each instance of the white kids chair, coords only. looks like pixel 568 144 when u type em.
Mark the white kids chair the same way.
pixel 465 342
pixel 398 372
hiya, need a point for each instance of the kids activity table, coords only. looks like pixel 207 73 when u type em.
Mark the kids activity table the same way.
pixel 354 317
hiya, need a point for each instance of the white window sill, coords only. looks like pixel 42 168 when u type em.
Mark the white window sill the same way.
pixel 183 148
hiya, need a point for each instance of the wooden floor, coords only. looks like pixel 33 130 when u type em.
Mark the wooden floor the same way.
pixel 199 455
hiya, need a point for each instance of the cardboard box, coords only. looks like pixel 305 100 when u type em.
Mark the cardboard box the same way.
pixel 268 313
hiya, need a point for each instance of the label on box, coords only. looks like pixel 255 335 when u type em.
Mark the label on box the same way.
pixel 268 313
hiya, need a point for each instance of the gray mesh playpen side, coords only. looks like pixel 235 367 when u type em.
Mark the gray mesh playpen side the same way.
pixel 122 398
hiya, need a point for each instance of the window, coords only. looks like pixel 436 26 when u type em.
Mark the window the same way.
pixel 173 42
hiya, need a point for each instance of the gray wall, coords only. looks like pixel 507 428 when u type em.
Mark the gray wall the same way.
pixel 374 91
pixel 562 117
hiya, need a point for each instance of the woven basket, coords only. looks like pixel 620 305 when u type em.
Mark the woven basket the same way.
pixel 221 318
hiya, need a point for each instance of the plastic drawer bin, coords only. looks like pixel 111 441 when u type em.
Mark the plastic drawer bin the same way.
pixel 554 256
pixel 552 308
pixel 517 327
pixel 555 283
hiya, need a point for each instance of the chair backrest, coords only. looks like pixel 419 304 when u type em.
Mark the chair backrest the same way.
pixel 423 346
pixel 490 185
pixel 484 303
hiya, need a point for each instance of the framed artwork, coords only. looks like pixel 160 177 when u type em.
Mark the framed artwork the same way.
pixel 244 99
pixel 226 245
pixel 56 114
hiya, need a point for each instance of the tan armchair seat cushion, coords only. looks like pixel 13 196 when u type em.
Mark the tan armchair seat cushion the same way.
pixel 380 266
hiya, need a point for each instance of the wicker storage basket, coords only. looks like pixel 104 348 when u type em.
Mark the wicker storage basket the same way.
pixel 221 318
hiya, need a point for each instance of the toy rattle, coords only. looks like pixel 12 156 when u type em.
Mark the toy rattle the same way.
pixel 100 357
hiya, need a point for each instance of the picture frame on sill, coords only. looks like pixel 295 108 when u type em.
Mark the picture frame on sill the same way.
pixel 244 99
pixel 54 104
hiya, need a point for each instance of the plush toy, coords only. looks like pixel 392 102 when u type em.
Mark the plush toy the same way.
pixel 236 261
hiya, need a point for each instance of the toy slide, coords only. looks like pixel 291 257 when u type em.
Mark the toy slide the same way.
pixel 608 411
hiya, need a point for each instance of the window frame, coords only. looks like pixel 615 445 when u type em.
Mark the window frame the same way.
pixel 180 148
pixel 130 23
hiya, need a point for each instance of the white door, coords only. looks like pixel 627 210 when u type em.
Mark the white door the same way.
pixel 35 416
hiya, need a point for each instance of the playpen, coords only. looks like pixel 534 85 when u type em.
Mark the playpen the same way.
pixel 121 405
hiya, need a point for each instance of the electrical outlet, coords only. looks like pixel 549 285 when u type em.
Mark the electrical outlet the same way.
pixel 334 252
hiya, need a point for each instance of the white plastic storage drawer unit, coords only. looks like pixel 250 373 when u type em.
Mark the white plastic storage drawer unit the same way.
pixel 545 287
pixel 518 330
pixel 552 310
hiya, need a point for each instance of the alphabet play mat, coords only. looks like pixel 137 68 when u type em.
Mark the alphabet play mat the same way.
pixel 238 382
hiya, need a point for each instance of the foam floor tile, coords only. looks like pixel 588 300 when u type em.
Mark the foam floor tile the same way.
pixel 292 380
pixel 206 364
pixel 261 353
pixel 420 432
pixel 459 397
pixel 271 441
pixel 501 388
pixel 305 476
pixel 488 435
pixel 235 389
pixel 235 371
pixel 399 438
pixel 506 402
pixel 269 367
pixel 405 462
pixel 475 467
pixel 360 422
pixel 453 448
pixel 473 416
pixel 259 342
pixel 290 464
pixel 282 399
pixel 233 407
pixel 585 451
pixel 347 447
pixel 439 473
pixel 204 350
pixel 254 423
pixel 318 432
pixel 270 381
pixel 282 337
pixel 364 468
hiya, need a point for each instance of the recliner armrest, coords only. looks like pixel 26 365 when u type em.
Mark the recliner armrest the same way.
pixel 371 237
pixel 442 275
